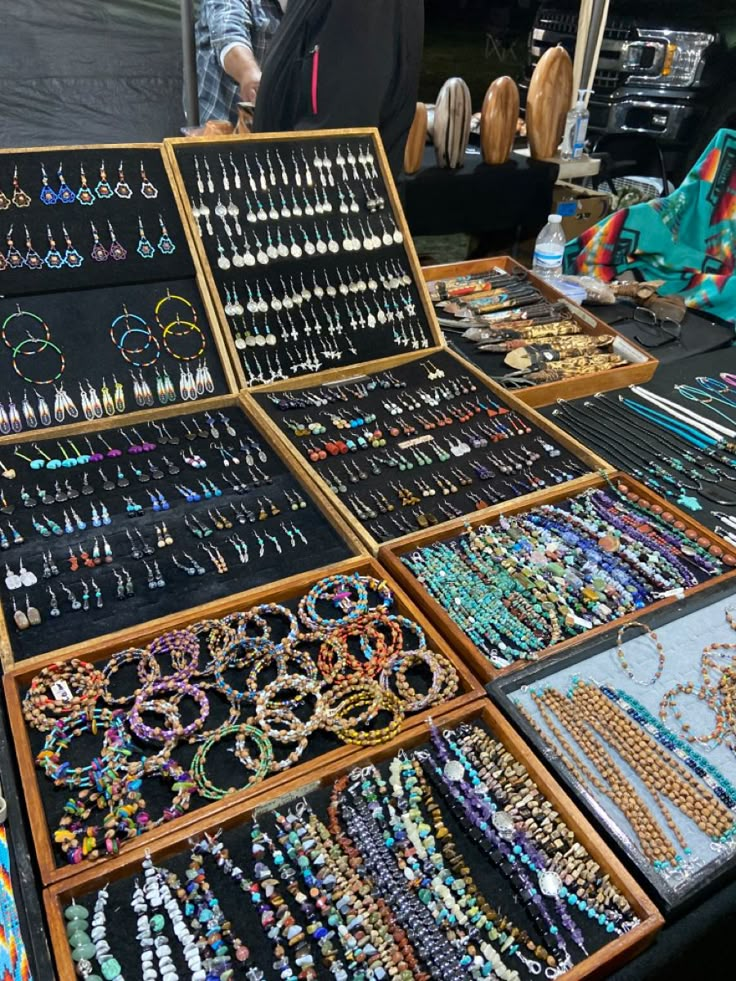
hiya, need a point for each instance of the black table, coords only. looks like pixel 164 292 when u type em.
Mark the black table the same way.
pixel 478 198
pixel 701 332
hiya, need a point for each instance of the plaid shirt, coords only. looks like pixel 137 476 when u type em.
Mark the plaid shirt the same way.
pixel 223 22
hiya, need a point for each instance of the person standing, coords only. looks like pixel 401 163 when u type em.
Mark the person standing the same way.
pixel 345 63
pixel 232 37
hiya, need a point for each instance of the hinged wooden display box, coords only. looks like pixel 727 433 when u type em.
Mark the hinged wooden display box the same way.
pixel 230 827
pixel 392 556
pixel 640 367
pixel 226 703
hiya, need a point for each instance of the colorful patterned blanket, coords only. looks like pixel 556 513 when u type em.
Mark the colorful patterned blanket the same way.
pixel 688 239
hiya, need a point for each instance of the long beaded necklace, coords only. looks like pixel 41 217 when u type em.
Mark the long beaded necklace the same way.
pixel 611 783
pixel 326 919
pixel 499 927
pixel 525 847
pixel 440 957
pixel 406 834
pixel 349 863
pixel 459 795
pixel 700 766
pixel 520 796
pixel 312 912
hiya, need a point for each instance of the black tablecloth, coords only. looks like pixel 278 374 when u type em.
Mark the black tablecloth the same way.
pixel 478 198
pixel 701 332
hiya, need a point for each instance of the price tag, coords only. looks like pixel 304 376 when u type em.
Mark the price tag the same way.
pixel 61 691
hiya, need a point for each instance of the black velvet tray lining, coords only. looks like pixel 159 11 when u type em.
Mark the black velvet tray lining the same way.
pixel 121 921
pixel 369 343
pixel 663 383
pixel 221 769
pixel 80 323
pixel 181 591
pixel 122 213
pixel 415 376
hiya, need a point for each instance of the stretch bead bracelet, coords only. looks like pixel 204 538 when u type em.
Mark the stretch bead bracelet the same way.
pixel 148 696
pixel 205 787
pixel 74 686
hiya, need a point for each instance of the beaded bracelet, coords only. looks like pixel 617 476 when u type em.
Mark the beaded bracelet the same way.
pixel 78 684
pixel 183 648
pixel 60 738
pixel 148 672
pixel 268 713
pixel 444 679
pixel 205 786
pixel 337 590
pixel 177 731
pixel 213 636
pixel 346 695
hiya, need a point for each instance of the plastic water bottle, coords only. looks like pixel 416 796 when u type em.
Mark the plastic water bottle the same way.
pixel 576 129
pixel 548 249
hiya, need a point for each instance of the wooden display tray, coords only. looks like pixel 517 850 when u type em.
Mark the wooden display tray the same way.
pixel 300 464
pixel 273 139
pixel 390 556
pixel 597 965
pixel 122 638
pixel 220 340
pixel 639 370
pixel 17 680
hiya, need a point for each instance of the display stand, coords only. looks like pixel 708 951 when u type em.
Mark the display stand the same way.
pixel 641 367
pixel 104 311
pixel 315 267
pixel 699 615
pixel 44 801
pixel 391 555
pixel 600 961
pixel 256 499
pixel 415 371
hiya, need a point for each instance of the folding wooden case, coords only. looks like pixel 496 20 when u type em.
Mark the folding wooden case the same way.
pixel 641 365
pixel 17 680
pixel 390 556
pixel 266 424
pixel 193 609
pixel 673 895
pixel 598 964
pixel 274 141
pixel 102 277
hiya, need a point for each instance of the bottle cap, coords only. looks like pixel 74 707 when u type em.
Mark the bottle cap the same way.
pixel 555 219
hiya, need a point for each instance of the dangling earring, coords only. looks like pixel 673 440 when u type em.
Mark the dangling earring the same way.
pixel 122 188
pixel 44 413
pixel 65 194
pixel 103 189
pixel 84 194
pixel 117 252
pixel 20 198
pixel 32 260
pixel 48 195
pixel 144 249
pixel 165 245
pixel 99 253
pixel 147 188
pixel 28 413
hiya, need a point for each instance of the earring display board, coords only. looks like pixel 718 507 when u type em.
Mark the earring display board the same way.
pixel 287 678
pixel 500 294
pixel 307 251
pixel 513 589
pixel 416 443
pixel 101 312
pixel 252 863
pixel 104 530
pixel 662 684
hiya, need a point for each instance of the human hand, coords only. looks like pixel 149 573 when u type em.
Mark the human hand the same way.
pixel 242 67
